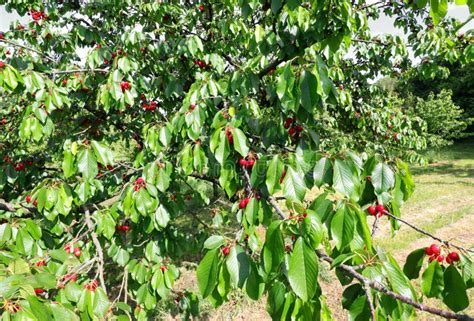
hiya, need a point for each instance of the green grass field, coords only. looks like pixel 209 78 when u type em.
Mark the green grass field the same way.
pixel 443 204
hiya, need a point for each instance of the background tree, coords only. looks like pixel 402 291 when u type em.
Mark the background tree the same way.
pixel 125 123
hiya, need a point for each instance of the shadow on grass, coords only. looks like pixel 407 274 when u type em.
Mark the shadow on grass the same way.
pixel 445 169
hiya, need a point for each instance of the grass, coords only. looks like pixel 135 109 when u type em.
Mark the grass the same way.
pixel 443 204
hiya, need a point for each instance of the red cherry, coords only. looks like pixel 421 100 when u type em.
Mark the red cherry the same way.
pixel 243 162
pixel 230 138
pixel 4 120
pixel 2 36
pixel 299 128
pixel 70 277
pixel 380 208
pixel 77 252
pixel 453 256
pixel 440 258
pixel 225 250
pixel 67 248
pixel 432 258
pixel 125 85
pixel 28 198
pixel 305 214
pixel 40 263
pixel 251 162
pixel 293 237
pixel 435 249
pixel 39 291
pixel 428 251
pixel 243 203
pixel 448 260
pixel 201 7
pixel 288 122
pixel 372 210
pixel 292 131
pixel 35 202
pixel 163 268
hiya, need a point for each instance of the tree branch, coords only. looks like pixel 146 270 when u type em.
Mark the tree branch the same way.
pixel 419 230
pixel 380 288
pixel 98 247
pixel 14 44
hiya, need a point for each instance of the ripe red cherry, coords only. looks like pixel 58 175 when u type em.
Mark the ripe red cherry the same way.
pixel 428 251
pixel 225 250
pixel 39 291
pixel 201 7
pixel 448 260
pixel 435 249
pixel 125 85
pixel 243 203
pixel 40 263
pixel 230 138
pixel 67 248
pixel 192 107
pixel 299 128
pixel 292 131
pixel 288 122
pixel 125 228
pixel 453 256
pixel 163 268
pixel 243 162
pixel 251 162
pixel 2 64
pixel 35 202
pixel 28 198
pixel 372 210
pixel 440 258
pixel 380 208
pixel 77 252
pixel 2 35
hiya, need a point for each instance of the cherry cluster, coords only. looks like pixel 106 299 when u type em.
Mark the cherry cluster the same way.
pixel 247 163
pixel 123 228
pixel 91 286
pixel 73 250
pixel 151 106
pixel 28 200
pixel 378 210
pixel 38 15
pixel 201 64
pixel 294 130
pixel 139 183
pixel 434 252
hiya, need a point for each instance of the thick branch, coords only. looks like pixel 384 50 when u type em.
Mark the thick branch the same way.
pixel 98 247
pixel 380 288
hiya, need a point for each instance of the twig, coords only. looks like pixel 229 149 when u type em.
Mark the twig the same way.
pixel 369 299
pixel 122 286
pixel 72 71
pixel 98 247
pixel 419 230
pixel 374 227
pixel 14 44
pixel 380 288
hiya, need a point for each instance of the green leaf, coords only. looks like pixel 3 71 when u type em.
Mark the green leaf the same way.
pixel 454 294
pixel 309 88
pixel 101 302
pixel 398 279
pixel 303 270
pixel 383 178
pixel 345 180
pixel 162 216
pixel 342 227
pixel 214 241
pixel 432 282
pixel 323 172
pixel 41 311
pixel 207 273
pixel 276 300
pixel 68 164
pixel 294 187
pixel 274 172
pixel 240 142
pixel 414 263
pixel 273 250
pixel 285 81
pixel 223 148
pixel 103 153
pixel 238 266
pixel 438 10
pixel 87 163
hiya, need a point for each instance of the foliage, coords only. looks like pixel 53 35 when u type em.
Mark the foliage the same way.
pixel 445 121
pixel 133 132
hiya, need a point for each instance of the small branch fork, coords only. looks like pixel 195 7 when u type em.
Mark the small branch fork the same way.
pixel 367 283
pixel 14 44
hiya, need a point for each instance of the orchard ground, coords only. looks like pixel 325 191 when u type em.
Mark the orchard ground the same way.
pixel 443 203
